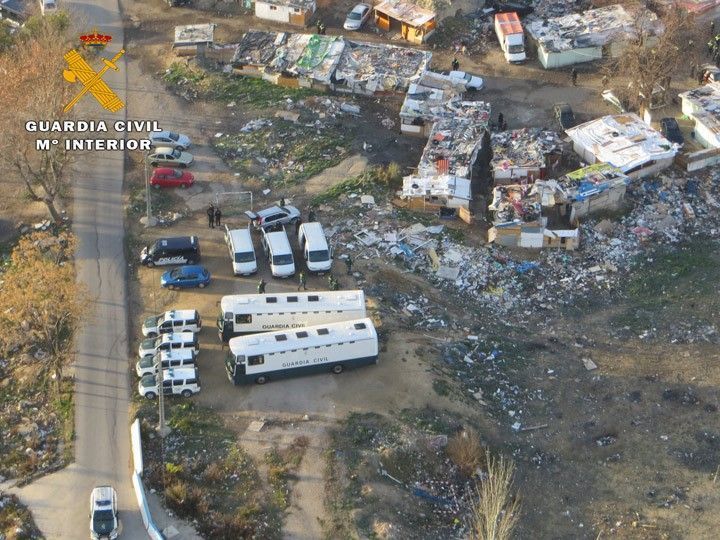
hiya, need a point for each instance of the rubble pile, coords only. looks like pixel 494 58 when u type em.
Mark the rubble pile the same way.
pixel 543 9
pixel 665 210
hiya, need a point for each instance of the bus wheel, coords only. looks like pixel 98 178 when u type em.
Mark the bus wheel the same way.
pixel 261 380
pixel 337 368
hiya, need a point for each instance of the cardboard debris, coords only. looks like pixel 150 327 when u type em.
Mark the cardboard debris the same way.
pixel 367 199
pixel 589 364
pixel 256 425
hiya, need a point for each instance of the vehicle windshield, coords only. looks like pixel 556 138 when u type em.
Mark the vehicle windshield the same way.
pixel 176 174
pixel 282 260
pixel 173 136
pixel 148 381
pixel 175 274
pixel 245 257
pixel 468 77
pixel 353 16
pixel 516 49
pixel 150 343
pixel 176 153
pixel 151 249
pixel 319 255
pixel 103 521
pixel 152 321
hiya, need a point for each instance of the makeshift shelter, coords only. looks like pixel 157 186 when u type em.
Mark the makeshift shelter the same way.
pixel 445 190
pixel 422 107
pixel 193 39
pixel 523 154
pixel 584 37
pixel 414 23
pixel 703 105
pixel 295 12
pixel 624 141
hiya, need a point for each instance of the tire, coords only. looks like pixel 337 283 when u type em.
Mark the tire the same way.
pixel 186 393
pixel 154 163
pixel 152 335
pixel 201 285
pixel 184 186
pixel 156 186
pixel 151 395
pixel 261 379
pixel 337 369
pixel 182 165
pixel 149 264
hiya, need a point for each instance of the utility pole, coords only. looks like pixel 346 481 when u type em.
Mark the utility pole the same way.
pixel 162 428
pixel 150 221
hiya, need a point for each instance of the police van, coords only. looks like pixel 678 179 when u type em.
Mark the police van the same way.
pixel 314 246
pixel 167 359
pixel 168 342
pixel 242 252
pixel 176 320
pixel 167 251
pixel 252 313
pixel 181 381
pixel 313 349
pixel 279 253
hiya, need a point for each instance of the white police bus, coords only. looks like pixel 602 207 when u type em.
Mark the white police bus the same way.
pixel 252 313
pixel 314 349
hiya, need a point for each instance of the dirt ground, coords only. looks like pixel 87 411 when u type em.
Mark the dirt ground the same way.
pixel 630 449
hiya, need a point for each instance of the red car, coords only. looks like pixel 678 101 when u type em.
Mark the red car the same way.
pixel 171 178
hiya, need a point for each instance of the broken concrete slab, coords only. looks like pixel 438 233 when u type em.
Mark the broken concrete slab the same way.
pixel 589 364
pixel 447 272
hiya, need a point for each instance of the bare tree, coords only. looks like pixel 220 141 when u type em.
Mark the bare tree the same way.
pixel 653 55
pixel 33 88
pixel 41 301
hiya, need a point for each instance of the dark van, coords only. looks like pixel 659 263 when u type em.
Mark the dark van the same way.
pixel 166 251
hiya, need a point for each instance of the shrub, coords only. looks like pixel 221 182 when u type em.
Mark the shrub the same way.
pixel 494 511
pixel 465 450
pixel 214 472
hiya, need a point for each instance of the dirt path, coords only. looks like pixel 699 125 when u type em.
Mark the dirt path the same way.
pixel 347 168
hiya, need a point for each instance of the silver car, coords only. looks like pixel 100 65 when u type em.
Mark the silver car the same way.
pixel 174 157
pixel 275 216
pixel 169 139
pixel 357 17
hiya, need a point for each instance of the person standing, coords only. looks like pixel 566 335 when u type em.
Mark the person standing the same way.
pixel 573 76
pixel 298 222
pixel 311 215
pixel 302 282
pixel 348 265
pixel 261 287
pixel 282 201
pixel 455 64
pixel 501 121
pixel 218 215
pixel 211 216
pixel 332 283
pixel 605 81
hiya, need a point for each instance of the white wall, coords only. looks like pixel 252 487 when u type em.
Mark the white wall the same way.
pixel 280 13
pixel 550 59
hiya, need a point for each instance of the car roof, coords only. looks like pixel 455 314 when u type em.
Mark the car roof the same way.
pixel 100 494
pixel 188 372
pixel 189 268
pixel 165 170
pixel 269 210
pixel 179 314
pixel 359 7
pixel 178 241
pixel 164 150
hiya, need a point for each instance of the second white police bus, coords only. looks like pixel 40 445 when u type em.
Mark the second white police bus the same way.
pixel 314 349
pixel 252 313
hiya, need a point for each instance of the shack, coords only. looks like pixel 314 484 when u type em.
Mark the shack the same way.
pixel 295 12
pixel 624 141
pixel 524 154
pixel 422 107
pixel 703 105
pixel 583 37
pixel 536 216
pixel 193 39
pixel 445 191
pixel 414 23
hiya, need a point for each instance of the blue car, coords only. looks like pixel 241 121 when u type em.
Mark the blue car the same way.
pixel 185 276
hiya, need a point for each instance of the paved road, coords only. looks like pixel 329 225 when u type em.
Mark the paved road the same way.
pixel 60 501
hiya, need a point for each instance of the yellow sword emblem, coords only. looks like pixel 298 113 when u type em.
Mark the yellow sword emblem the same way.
pixel 92 81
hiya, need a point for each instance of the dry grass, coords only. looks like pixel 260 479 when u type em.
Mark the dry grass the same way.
pixel 466 451
pixel 495 509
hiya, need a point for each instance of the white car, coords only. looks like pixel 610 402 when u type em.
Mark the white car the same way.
pixel 471 82
pixel 357 17
pixel 169 139
pixel 174 157
pixel 103 513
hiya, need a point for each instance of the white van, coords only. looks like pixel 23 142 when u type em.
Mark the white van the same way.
pixel 176 320
pixel 183 381
pixel 168 342
pixel 168 359
pixel 315 249
pixel 242 252
pixel 279 253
